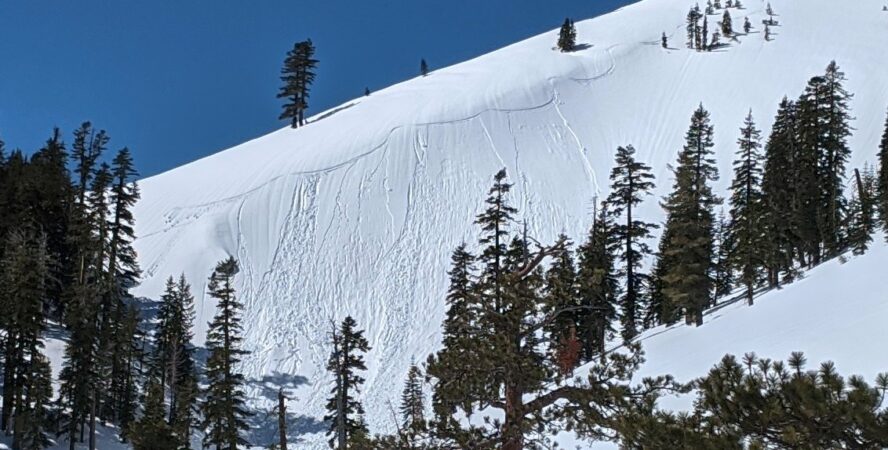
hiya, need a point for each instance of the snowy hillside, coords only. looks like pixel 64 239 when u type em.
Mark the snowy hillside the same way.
pixel 357 213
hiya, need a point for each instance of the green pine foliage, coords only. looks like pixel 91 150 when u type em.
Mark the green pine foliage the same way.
pixel 412 407
pixel 780 181
pixel 503 359
pixel 297 74
pixel 883 179
pixel 723 276
pixel 560 294
pixel 423 67
pixel 224 412
pixel 687 281
pixel 747 208
pixel 151 431
pixel 631 182
pixel 862 211
pixel 567 36
pixel 598 286
pixel 345 413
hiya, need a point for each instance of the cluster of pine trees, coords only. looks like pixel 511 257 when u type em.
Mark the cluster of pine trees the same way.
pixel 67 258
pixel 521 315
pixel 703 38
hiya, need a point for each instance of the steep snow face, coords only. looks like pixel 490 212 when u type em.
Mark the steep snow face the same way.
pixel 357 213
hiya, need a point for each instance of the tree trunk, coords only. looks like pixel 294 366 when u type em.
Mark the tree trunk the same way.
pixel 513 435
pixel 92 420
pixel 282 419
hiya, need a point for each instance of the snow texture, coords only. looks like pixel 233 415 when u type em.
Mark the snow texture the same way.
pixel 357 212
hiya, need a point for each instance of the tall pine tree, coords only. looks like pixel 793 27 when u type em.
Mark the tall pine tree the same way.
pixel 344 410
pixel 297 74
pixel 747 208
pixel 687 282
pixel 631 182
pixel 598 286
pixel 224 413
pixel 883 179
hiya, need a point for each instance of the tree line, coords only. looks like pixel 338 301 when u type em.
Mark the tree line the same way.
pixel 522 316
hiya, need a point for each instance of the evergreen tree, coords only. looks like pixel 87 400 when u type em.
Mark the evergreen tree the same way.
pixel 567 36
pixel 224 412
pixel 344 410
pixel 724 249
pixel 727 24
pixel 423 67
pixel 747 208
pixel 23 279
pixel 413 405
pixel 687 282
pixel 561 294
pixel 747 25
pixel 32 421
pixel 693 28
pixel 704 35
pixel 631 182
pixel 861 223
pixel 297 74
pixel 664 41
pixel 883 179
pixel 151 431
pixel 779 200
pixel 500 364
pixel 598 285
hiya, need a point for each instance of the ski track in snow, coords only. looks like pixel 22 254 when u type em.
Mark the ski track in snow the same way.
pixel 362 221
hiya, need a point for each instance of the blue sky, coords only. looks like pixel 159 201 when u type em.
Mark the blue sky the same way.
pixel 178 80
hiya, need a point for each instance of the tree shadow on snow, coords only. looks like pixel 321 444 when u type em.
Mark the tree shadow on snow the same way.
pixel 264 422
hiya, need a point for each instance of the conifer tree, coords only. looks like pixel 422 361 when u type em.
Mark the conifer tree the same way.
pixel 747 25
pixel 344 410
pixel 883 179
pixel 501 363
pixel 560 294
pixel 413 405
pixel 704 35
pixel 727 24
pixel 779 199
pixel 151 431
pixel 567 36
pixel 747 208
pixel 724 249
pixel 664 41
pixel 631 182
pixel 598 285
pixel 423 67
pixel 693 28
pixel 223 409
pixel 32 421
pixel 687 282
pixel 297 74
pixel 861 208
pixel 23 279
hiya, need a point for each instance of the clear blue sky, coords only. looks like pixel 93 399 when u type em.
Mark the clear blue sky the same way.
pixel 178 80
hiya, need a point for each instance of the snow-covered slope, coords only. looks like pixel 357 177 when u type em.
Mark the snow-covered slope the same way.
pixel 357 213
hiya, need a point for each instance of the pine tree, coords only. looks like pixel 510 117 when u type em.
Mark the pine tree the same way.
pixel 151 431
pixel 173 361
pixel 693 28
pixel 224 412
pixel 727 24
pixel 687 282
pixel 767 32
pixel 297 74
pixel 861 208
pixel 413 405
pixel 23 278
pixel 724 250
pixel 631 182
pixel 33 423
pixel 344 410
pixel 664 41
pixel 747 208
pixel 779 199
pixel 747 25
pixel 503 361
pixel 561 294
pixel 567 36
pixel 598 285
pixel 423 67
pixel 883 179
